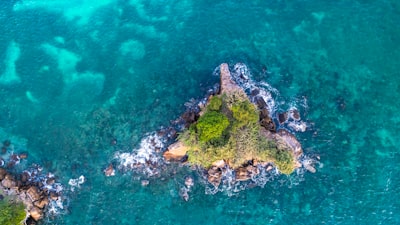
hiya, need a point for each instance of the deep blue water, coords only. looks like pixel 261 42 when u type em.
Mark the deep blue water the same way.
pixel 76 74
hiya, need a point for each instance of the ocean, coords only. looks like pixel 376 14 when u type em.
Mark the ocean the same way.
pixel 82 80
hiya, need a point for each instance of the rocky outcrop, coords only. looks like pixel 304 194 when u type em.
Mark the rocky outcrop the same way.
pixel 228 86
pixel 176 152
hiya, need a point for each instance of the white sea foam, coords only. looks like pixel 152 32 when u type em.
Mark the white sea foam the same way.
pixel 146 159
pixel 76 183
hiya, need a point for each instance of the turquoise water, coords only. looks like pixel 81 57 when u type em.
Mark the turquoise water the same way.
pixel 76 75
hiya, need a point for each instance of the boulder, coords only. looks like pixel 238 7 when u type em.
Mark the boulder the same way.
pixel 268 124
pixel 246 173
pixel 282 117
pixel 42 203
pixel 214 176
pixel 241 174
pixel 33 193
pixel 8 182
pixel 109 171
pixel 36 213
pixel 176 152
pixel 3 173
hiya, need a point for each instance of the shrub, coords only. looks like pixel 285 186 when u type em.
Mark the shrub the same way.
pixel 211 126
pixel 215 103
pixel 245 113
pixel 11 213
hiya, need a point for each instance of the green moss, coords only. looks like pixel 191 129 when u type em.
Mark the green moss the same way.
pixel 211 126
pixel 11 213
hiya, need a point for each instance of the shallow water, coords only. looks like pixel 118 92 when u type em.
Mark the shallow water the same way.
pixel 75 75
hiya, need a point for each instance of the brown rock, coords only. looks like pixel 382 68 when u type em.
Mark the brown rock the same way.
pixel 264 113
pixel 25 177
pixel 109 171
pixel 176 152
pixel 241 174
pixel 214 176
pixel 23 155
pixel 36 213
pixel 291 141
pixel 268 124
pixel 53 196
pixel 189 117
pixel 283 117
pixel 41 203
pixel 3 173
pixel 8 181
pixel 260 102
pixel 227 84
pixel 33 193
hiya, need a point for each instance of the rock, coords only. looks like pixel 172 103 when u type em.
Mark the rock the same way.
pixel 53 196
pixel 109 171
pixel 144 182
pixel 3 173
pixel 33 193
pixel 260 102
pixel 219 164
pixel 23 155
pixel 25 177
pixel 41 203
pixel 50 181
pixel 294 114
pixel 184 193
pixel 246 173
pixel 189 117
pixel 291 141
pixel 310 168
pixel 227 84
pixel 268 124
pixel 241 174
pixel 255 92
pixel 189 182
pixel 264 113
pixel 176 152
pixel 8 182
pixel 214 176
pixel 36 213
pixel 282 117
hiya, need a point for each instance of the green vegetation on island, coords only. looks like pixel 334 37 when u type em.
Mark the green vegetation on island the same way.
pixel 11 213
pixel 229 130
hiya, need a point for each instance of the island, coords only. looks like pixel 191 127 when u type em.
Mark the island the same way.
pixel 235 131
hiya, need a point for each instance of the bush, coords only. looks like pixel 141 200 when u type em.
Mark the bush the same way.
pixel 11 213
pixel 245 113
pixel 211 126
pixel 215 103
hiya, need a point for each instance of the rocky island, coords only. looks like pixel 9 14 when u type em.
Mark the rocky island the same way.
pixel 234 131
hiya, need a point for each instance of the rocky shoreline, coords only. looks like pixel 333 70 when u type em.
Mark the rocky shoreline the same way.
pixel 39 193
